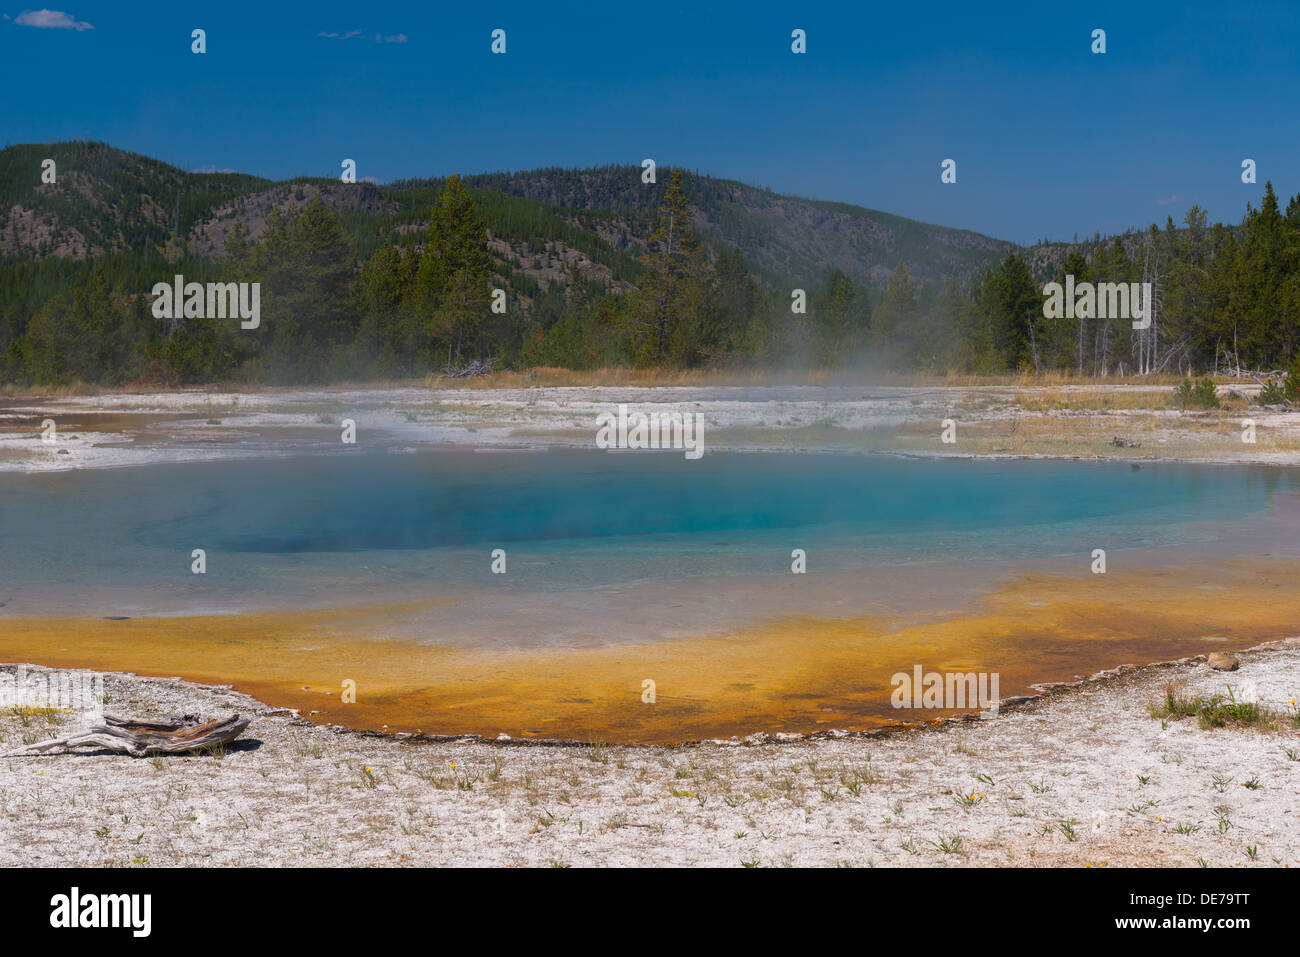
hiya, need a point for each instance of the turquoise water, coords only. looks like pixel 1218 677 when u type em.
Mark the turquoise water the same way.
pixel 342 526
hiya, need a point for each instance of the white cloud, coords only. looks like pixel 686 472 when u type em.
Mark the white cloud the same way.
pixel 379 37
pixel 51 20
pixel 1172 199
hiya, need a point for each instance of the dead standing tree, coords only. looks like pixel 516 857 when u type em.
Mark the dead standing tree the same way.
pixel 1146 344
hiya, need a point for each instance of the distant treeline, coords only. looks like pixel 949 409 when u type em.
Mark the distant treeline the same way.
pixel 424 300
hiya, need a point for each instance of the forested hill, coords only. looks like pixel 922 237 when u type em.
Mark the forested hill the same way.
pixel 784 238
pixel 106 200
pixel 587 269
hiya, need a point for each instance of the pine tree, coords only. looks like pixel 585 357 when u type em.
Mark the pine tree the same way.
pixel 453 274
pixel 672 252
pixel 1009 302
pixel 834 317
pixel 892 321
pixel 1262 338
pixel 306 269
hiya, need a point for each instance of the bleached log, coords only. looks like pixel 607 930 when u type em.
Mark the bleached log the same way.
pixel 473 368
pixel 138 738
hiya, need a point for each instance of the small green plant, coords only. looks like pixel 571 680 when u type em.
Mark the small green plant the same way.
pixel 1219 711
pixel 1291 384
pixel 1273 393
pixel 1253 784
pixel 853 779
pixel 949 845
pixel 1173 705
pixel 1199 395
pixel 464 780
pixel 1213 712
pixel 25 712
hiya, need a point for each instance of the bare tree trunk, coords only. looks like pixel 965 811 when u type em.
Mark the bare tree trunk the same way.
pixel 1033 345
pixel 1080 346
pixel 1147 341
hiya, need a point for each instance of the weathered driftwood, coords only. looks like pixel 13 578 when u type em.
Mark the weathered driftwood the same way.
pixel 138 738
pixel 472 368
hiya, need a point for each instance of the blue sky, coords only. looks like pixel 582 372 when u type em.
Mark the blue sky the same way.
pixel 1050 139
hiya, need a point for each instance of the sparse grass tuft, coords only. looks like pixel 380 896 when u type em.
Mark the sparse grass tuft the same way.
pixel 949 845
pixel 1215 711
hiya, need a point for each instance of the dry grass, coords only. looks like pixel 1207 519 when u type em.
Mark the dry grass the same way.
pixel 553 376
pixel 557 376
pixel 11 391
